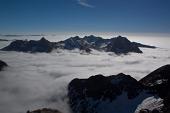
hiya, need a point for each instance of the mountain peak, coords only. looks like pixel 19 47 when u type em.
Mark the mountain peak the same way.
pixel 75 38
pixel 121 38
pixel 43 39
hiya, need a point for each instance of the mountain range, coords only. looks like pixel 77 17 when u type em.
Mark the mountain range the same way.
pixel 118 45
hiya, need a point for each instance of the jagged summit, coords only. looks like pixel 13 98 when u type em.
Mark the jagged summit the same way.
pixel 157 77
pixel 120 38
pixel 76 38
pixel 92 38
pixel 43 39
pixel 159 82
pixel 118 45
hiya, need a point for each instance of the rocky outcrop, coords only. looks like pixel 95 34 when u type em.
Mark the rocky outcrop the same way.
pixel 2 64
pixel 100 86
pixel 118 45
pixel 121 93
pixel 159 82
pixel 100 94
pixel 44 110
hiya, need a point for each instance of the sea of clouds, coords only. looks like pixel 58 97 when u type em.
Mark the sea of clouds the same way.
pixel 34 81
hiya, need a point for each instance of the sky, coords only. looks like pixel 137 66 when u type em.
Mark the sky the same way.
pixel 52 16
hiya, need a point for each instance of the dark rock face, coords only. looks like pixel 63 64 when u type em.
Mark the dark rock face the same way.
pixel 157 77
pixel 44 110
pixel 41 45
pixel 100 88
pixel 112 85
pixel 2 64
pixel 159 82
pixel 118 45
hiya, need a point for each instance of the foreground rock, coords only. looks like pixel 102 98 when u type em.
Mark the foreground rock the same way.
pixel 44 110
pixel 2 64
pixel 118 45
pixel 121 93
pixel 98 94
pixel 159 82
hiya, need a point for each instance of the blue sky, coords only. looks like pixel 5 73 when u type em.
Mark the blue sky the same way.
pixel 50 16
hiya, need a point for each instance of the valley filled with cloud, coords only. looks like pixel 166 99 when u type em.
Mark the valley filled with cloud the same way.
pixel 40 80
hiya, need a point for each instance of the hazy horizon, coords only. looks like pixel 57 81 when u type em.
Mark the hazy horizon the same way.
pixel 161 40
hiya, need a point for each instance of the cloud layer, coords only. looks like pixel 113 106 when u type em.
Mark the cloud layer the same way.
pixel 39 80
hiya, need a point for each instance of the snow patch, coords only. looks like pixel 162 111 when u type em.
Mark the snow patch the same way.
pixel 150 103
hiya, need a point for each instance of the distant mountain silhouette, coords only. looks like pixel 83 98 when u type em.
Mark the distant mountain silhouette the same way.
pixel 42 45
pixel 118 45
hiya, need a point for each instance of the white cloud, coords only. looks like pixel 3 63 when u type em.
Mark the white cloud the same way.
pixel 85 3
pixel 39 80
